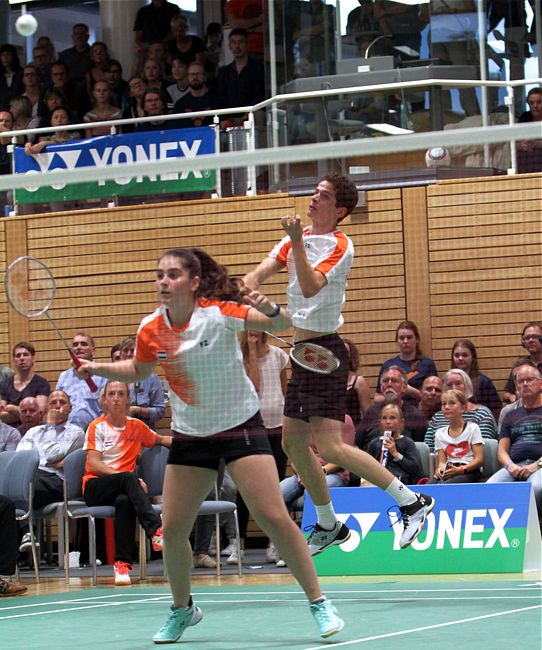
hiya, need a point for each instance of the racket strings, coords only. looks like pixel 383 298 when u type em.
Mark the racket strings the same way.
pixel 315 357
pixel 30 287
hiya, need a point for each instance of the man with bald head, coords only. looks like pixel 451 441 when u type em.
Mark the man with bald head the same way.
pixel 30 414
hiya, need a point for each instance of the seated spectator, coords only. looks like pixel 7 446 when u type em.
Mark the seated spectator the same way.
pixel 153 22
pixel 529 152
pixel 513 405
pixel 394 387
pixel 459 445
pixel 32 86
pixel 147 401
pixel 9 437
pixel 115 352
pixel 21 110
pixel 136 90
pixel 179 71
pixel 459 380
pixel 242 82
pixel 188 46
pixel 520 441
pixel 530 340
pixel 59 117
pixel 465 357
pixel 153 75
pixel 9 535
pixel 395 451
pixel 77 58
pixel 113 443
pixel 52 98
pixel 158 50
pixel 103 110
pixel 99 56
pixel 358 397
pixel 45 43
pixel 119 87
pixel 198 98
pixel 430 394
pixel 54 440
pixel 213 49
pixel 85 403
pixel 6 124
pixel 75 94
pixel 154 103
pixel 248 15
pixel 30 414
pixel 11 75
pixel 24 383
pixel 42 60
pixel 410 358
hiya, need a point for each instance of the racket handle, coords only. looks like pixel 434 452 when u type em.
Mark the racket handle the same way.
pixel 77 363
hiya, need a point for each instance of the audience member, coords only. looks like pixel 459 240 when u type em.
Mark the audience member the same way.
pixel 21 110
pixel 85 403
pixel 410 358
pixel 529 152
pixel 358 397
pixel 119 87
pixel 153 22
pixel 531 341
pixel 465 357
pixel 9 437
pixel 6 124
pixel 179 72
pixel 395 451
pixel 513 405
pixel 115 352
pixel 113 443
pixel 430 394
pixel 240 83
pixel 30 414
pixel 136 90
pixel 11 75
pixel 77 58
pixel 103 110
pixel 198 98
pixel 9 535
pixel 147 402
pixel 520 441
pixel 32 87
pixel 24 383
pixel 213 49
pixel 41 58
pixel 189 47
pixel 314 34
pixel 394 389
pixel 154 103
pixel 54 440
pixel 59 117
pixel 52 98
pixel 45 43
pixel 75 94
pixel 153 75
pixel 459 380
pixel 362 21
pixel 459 445
pixel 158 50
pixel 248 15
pixel 99 56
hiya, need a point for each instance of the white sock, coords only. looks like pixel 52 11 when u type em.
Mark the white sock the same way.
pixel 403 495
pixel 326 516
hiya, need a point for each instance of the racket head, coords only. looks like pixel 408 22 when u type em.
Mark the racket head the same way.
pixel 30 286
pixel 315 358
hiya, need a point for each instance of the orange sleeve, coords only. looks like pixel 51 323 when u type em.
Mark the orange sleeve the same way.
pixel 335 257
pixel 144 351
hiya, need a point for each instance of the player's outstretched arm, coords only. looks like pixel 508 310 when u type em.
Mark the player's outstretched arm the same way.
pixel 265 269
pixel 129 370
pixel 265 315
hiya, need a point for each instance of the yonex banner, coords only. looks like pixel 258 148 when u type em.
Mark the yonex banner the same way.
pixel 114 150
pixel 474 528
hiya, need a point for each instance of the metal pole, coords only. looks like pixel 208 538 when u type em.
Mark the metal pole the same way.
pixel 538 18
pixel 273 83
pixel 482 37
pixel 509 101
pixel 218 172
pixel 249 124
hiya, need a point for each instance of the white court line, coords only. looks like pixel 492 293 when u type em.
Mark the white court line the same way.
pixel 426 627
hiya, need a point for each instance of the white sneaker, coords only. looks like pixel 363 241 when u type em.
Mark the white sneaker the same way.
pixel 281 563
pixel 271 553
pixel 122 574
pixel 230 548
pixel 26 543
pixel 233 557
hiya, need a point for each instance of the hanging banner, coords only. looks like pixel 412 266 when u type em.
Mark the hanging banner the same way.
pixel 112 150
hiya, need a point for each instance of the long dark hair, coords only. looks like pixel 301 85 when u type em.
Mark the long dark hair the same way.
pixel 474 370
pixel 215 281
pixel 409 325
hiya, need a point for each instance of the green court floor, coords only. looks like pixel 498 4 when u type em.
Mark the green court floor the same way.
pixel 495 614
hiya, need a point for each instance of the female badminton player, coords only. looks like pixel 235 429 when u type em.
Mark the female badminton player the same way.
pixel 215 414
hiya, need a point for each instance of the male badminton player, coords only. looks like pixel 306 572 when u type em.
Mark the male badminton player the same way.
pixel 318 258
pixel 215 415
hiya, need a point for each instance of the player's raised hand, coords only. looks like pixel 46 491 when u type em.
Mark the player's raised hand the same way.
pixel 260 302
pixel 292 226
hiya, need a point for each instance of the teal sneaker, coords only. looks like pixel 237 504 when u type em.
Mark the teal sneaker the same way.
pixel 326 617
pixel 177 622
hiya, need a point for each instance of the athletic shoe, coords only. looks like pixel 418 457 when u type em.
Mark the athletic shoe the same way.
pixel 414 517
pixel 9 588
pixel 204 561
pixel 320 539
pixel 233 557
pixel 122 573
pixel 281 563
pixel 157 540
pixel 177 622
pixel 271 554
pixel 230 548
pixel 26 543
pixel 326 618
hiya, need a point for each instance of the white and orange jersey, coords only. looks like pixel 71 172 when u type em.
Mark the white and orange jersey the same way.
pixel 209 389
pixel 332 255
pixel 119 446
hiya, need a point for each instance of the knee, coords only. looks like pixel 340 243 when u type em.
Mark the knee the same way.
pixel 330 450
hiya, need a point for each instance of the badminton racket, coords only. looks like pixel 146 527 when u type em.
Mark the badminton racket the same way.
pixel 311 356
pixel 385 453
pixel 30 289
